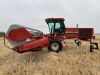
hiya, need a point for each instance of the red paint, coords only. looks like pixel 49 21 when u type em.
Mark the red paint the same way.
pixel 34 44
pixel 19 34
pixel 81 33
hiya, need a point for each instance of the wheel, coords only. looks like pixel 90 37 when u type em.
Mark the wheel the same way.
pixel 91 48
pixel 96 44
pixel 55 46
pixel 79 43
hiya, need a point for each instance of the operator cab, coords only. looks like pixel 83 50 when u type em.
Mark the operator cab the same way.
pixel 56 25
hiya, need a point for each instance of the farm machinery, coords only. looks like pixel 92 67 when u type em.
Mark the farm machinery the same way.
pixel 26 39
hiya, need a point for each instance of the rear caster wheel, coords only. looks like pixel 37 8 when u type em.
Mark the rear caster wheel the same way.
pixel 91 48
pixel 78 42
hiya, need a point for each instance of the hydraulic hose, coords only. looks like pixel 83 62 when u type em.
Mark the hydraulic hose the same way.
pixel 4 38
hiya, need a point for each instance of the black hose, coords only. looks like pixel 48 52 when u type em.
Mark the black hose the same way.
pixel 4 37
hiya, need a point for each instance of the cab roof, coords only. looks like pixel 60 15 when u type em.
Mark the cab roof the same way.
pixel 54 19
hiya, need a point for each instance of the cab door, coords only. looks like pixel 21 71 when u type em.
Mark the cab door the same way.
pixel 59 27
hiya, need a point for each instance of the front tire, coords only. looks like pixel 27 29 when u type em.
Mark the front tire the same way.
pixel 55 46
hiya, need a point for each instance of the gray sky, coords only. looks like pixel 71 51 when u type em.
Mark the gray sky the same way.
pixel 31 13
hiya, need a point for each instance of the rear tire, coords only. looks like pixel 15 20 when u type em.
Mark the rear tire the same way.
pixel 55 46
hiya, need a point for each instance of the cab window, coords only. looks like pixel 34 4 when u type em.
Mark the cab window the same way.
pixel 57 25
pixel 51 27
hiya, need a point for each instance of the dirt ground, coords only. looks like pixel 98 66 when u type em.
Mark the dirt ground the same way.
pixel 72 60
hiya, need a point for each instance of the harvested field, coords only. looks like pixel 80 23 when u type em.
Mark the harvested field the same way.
pixel 72 60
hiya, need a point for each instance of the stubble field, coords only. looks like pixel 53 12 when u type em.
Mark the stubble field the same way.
pixel 72 60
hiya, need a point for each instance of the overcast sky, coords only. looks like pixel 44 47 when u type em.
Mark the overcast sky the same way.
pixel 31 13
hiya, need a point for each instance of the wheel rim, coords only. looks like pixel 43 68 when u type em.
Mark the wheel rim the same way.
pixel 55 46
